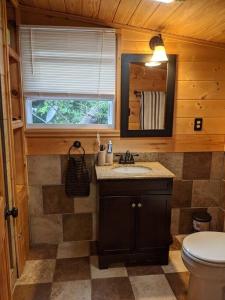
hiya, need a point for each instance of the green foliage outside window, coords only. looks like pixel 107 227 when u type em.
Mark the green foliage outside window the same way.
pixel 73 111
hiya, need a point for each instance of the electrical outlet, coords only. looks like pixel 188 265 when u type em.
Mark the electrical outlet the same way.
pixel 198 124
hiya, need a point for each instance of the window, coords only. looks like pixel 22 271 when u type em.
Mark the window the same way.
pixel 68 76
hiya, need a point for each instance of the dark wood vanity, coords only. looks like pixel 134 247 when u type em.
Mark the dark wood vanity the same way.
pixel 134 221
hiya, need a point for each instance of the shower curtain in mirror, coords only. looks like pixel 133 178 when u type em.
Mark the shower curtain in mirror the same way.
pixel 152 111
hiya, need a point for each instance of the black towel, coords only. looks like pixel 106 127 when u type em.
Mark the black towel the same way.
pixel 77 177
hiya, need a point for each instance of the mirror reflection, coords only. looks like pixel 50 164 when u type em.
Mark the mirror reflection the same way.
pixel 147 96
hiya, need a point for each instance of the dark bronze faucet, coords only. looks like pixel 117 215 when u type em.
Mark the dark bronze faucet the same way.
pixel 127 158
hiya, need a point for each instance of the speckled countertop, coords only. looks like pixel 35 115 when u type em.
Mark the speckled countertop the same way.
pixel 156 170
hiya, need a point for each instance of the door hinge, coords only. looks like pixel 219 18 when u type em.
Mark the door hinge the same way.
pixel 11 212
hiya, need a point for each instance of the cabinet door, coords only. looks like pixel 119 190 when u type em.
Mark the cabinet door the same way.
pixel 117 217
pixel 153 222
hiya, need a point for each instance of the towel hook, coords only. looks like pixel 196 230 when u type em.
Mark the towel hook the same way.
pixel 77 144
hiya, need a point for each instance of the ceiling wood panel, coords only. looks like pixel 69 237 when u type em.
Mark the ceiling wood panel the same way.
pixel 215 21
pixel 57 5
pixel 108 9
pixel 187 17
pixel 41 4
pixel 90 8
pixel 145 9
pixel 73 7
pixel 161 14
pixel 200 19
pixel 125 11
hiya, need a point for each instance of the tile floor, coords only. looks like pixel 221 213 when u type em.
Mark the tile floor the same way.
pixel 68 272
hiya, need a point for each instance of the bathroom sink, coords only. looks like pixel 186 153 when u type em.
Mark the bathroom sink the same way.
pixel 132 170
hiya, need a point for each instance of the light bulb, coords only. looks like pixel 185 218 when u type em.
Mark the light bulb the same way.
pixel 159 54
pixel 152 64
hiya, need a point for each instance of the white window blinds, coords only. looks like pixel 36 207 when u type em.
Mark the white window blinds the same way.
pixel 62 61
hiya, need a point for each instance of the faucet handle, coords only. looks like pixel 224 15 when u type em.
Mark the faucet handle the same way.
pixel 121 157
pixel 127 157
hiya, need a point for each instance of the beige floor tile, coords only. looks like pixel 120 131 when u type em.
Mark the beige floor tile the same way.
pixel 38 271
pixel 107 273
pixel 151 287
pixel 71 290
pixel 175 263
pixel 73 249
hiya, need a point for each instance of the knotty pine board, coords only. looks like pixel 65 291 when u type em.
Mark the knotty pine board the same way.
pixel 200 84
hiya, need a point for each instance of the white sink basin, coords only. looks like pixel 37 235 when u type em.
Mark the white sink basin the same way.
pixel 132 170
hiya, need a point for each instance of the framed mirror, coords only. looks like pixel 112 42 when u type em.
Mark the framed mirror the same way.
pixel 147 96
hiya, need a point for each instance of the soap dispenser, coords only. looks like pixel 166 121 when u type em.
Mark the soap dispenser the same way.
pixel 109 153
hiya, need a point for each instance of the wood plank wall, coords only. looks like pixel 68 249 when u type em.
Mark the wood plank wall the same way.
pixel 200 92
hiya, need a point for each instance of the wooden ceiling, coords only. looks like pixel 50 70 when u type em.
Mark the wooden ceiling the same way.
pixel 200 19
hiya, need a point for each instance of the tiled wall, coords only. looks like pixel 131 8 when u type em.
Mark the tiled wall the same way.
pixel 55 218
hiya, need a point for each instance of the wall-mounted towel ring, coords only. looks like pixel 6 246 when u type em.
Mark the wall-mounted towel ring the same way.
pixel 77 145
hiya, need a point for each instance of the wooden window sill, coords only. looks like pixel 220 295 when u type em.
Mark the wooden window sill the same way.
pixel 61 132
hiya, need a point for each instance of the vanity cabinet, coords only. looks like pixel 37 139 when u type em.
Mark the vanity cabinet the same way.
pixel 134 221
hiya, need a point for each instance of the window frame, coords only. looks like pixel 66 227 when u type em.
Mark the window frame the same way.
pixel 90 129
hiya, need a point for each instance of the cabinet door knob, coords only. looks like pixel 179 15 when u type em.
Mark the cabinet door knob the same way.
pixel 139 205
pixel 133 205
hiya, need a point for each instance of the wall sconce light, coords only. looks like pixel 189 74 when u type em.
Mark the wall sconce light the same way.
pixel 159 51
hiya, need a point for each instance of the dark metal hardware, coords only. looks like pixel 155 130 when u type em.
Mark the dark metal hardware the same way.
pixel 11 212
pixel 198 122
pixel 77 145
pixel 138 93
pixel 156 41
pixel 14 93
pixel 127 158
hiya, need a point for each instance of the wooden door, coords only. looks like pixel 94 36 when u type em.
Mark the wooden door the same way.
pixel 117 224
pixel 16 138
pixel 5 292
pixel 153 222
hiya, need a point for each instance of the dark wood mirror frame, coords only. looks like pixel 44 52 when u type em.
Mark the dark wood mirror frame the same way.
pixel 170 92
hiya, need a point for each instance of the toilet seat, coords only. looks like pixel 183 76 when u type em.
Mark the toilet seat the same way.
pixel 206 247
pixel 201 261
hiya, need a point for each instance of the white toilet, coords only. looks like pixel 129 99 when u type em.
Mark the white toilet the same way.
pixel 203 254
